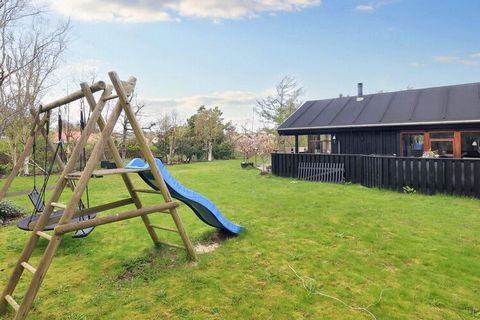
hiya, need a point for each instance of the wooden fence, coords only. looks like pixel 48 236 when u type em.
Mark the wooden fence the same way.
pixel 323 172
pixel 429 176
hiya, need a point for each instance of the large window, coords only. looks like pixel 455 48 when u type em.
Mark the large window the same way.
pixel 321 143
pixel 412 144
pixel 445 144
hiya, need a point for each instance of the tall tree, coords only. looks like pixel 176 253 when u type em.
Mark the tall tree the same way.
pixel 208 127
pixel 276 108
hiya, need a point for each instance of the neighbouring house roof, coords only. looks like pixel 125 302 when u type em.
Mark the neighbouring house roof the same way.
pixel 429 106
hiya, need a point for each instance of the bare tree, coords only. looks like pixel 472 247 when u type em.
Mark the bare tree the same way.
pixel 126 129
pixel 11 13
pixel 33 50
pixel 168 131
pixel 275 109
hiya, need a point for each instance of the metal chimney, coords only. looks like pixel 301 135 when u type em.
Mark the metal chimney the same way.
pixel 360 91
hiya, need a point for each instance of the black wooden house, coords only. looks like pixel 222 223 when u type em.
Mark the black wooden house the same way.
pixel 445 120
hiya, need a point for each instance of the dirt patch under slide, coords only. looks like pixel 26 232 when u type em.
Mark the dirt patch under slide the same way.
pixel 211 242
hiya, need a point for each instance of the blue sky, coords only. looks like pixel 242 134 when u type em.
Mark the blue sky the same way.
pixel 227 53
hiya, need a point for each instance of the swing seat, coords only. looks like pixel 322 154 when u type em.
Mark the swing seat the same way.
pixel 35 198
pixel 24 223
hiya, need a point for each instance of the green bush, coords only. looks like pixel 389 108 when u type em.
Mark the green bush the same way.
pixel 9 210
pixel 224 150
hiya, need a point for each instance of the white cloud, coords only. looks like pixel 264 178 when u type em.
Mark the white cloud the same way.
pixel 365 8
pixel 456 60
pixel 475 55
pixel 135 11
pixel 371 6
pixel 236 106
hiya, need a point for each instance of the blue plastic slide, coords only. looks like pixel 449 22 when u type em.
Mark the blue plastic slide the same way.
pixel 203 208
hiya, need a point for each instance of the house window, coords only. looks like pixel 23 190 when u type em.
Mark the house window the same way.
pixel 443 144
pixel 412 144
pixel 443 148
pixel 321 143
pixel 470 144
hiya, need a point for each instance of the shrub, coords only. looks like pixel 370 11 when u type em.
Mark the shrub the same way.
pixel 223 150
pixel 408 189
pixel 9 210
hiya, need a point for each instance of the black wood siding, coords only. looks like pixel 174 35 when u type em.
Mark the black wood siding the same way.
pixel 377 142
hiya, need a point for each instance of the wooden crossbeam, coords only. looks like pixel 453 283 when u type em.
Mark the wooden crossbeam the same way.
pixel 171 244
pixel 28 267
pixel 111 97
pixel 156 226
pixel 12 302
pixel 103 172
pixel 44 235
pixel 64 228
pixel 97 86
pixel 89 211
pixel 147 191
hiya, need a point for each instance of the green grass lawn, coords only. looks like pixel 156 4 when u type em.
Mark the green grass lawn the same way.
pixel 404 256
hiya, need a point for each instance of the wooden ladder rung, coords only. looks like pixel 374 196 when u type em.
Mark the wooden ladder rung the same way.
pixel 171 244
pixel 147 191
pixel 156 226
pixel 28 267
pixel 44 235
pixel 12 302
pixel 59 205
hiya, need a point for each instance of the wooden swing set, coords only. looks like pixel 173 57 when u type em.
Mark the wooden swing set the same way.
pixel 78 181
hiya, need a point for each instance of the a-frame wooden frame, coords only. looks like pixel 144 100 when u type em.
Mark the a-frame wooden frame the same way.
pixel 123 91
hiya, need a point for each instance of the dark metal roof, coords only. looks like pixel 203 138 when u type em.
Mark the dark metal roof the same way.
pixel 430 106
